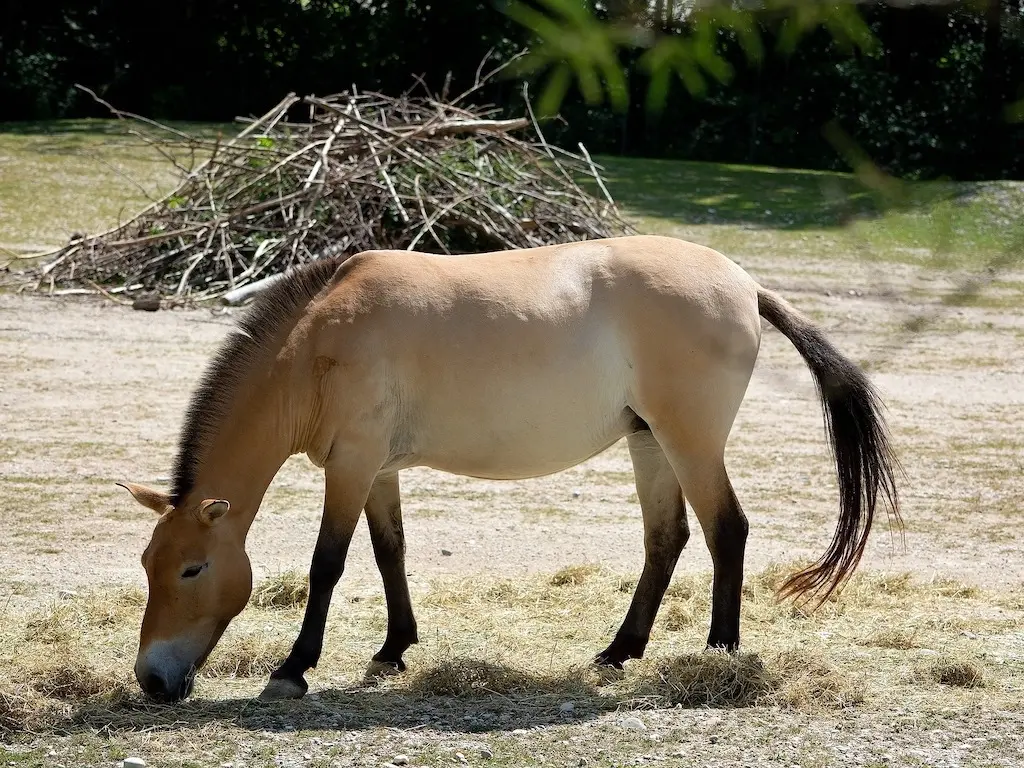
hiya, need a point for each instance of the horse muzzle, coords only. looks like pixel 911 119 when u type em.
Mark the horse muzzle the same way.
pixel 166 673
pixel 166 690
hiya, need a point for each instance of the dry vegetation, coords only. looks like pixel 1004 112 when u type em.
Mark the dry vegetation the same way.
pixel 360 171
pixel 505 654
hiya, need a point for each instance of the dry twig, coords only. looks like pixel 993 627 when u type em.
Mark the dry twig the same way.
pixel 365 172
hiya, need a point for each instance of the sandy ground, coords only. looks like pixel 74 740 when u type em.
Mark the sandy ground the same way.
pixel 92 393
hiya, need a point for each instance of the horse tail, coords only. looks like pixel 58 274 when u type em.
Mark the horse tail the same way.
pixel 865 461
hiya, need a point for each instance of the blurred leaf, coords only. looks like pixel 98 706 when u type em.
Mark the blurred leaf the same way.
pixel 1015 112
pixel 570 35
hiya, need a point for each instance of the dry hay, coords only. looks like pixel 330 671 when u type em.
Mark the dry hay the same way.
pixel 338 175
pixel 462 676
pixel 957 671
pixel 253 654
pixel 712 679
pixel 285 590
pixel 893 637
pixel 574 575
pixel 528 643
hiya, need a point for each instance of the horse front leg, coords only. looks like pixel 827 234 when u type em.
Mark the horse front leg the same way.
pixel 345 495
pixel 384 519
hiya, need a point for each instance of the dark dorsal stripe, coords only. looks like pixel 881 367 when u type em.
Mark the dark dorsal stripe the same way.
pixel 276 306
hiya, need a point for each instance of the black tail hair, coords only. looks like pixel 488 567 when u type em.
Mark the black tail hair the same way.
pixel 865 461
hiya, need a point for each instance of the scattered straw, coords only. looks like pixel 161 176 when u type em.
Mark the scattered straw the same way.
pixel 574 575
pixel 806 680
pixel 248 655
pixel 712 679
pixel 458 676
pixel 285 590
pixel 676 616
pixel 895 638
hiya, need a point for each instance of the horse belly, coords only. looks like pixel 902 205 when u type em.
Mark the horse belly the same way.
pixel 525 423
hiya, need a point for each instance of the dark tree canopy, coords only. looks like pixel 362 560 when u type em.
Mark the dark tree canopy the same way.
pixel 931 99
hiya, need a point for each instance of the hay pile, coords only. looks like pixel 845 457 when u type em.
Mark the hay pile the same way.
pixel 341 174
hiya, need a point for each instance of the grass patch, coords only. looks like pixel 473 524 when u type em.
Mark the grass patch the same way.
pixel 748 210
pixel 81 176
pixel 956 671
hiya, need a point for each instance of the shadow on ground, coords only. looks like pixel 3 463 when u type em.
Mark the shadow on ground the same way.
pixel 714 193
pixel 469 696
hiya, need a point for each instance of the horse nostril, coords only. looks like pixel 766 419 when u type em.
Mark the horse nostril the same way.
pixel 155 686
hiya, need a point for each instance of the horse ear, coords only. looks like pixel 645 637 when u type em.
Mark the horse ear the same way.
pixel 147 497
pixel 212 510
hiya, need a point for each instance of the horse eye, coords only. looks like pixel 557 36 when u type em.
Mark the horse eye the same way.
pixel 195 570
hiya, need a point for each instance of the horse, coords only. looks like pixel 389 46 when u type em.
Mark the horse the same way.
pixel 502 365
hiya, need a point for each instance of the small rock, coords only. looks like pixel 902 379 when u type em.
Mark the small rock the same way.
pixel 400 759
pixel 485 752
pixel 566 707
pixel 147 302
pixel 461 757
pixel 446 552
pixel 576 494
pixel 64 594
pixel 713 739
pixel 134 762
pixel 633 723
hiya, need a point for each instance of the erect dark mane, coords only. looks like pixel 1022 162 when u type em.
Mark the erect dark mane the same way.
pixel 277 305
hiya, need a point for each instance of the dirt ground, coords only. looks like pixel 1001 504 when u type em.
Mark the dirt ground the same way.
pixel 92 393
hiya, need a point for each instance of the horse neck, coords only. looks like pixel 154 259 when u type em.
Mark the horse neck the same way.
pixel 253 441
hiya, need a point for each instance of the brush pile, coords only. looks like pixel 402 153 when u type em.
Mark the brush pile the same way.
pixel 341 174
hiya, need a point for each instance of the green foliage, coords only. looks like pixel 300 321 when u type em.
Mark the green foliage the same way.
pixel 573 39
pixel 925 89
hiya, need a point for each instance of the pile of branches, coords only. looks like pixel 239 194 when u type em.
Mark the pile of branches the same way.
pixel 354 171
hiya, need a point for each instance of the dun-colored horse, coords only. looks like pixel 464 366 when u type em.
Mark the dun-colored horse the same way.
pixel 501 365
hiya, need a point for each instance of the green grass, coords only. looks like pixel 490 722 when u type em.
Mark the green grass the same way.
pixel 67 176
pixel 70 176
pixel 822 214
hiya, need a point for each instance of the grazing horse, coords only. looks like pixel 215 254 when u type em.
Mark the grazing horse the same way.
pixel 501 365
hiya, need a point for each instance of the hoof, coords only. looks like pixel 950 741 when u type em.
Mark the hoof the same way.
pixel 396 665
pixel 608 662
pixel 378 668
pixel 283 689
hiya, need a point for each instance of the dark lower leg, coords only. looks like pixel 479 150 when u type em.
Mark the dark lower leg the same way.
pixel 384 519
pixel 727 543
pixel 665 535
pixel 327 566
pixel 631 639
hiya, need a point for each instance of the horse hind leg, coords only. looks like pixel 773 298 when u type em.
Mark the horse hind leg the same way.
pixel 665 534
pixel 707 488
